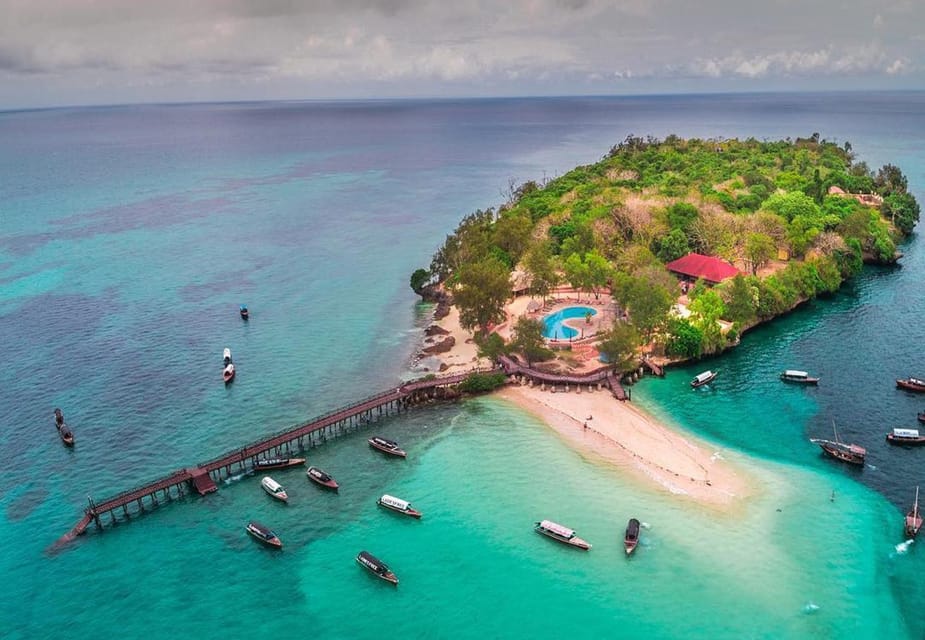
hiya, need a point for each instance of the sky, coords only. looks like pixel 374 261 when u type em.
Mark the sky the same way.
pixel 67 52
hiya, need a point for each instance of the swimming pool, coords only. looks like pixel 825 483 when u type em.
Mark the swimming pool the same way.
pixel 554 326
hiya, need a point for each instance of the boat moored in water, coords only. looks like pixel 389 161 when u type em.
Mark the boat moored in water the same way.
pixel 913 521
pixel 911 384
pixel 318 476
pixel 67 436
pixel 278 463
pixel 59 417
pixel 850 453
pixel 798 377
pixel 228 373
pixel 376 567
pixel 226 356
pixel 264 534
pixel 244 313
pixel 386 446
pixel 905 436
pixel 274 488
pixel 704 378
pixel 921 417
pixel 399 505
pixel 631 537
pixel 561 534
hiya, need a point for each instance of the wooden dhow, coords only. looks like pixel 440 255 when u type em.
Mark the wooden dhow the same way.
pixel 913 521
pixel 850 453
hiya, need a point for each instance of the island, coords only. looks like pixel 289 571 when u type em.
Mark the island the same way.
pixel 663 252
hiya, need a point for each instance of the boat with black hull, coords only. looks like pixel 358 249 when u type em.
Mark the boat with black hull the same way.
pixel 631 537
pixel 850 453
pixel 921 417
pixel 64 432
pixel 386 446
pixel 376 567
pixel 319 477
pixel 905 436
pixel 911 384
pixel 704 378
pixel 277 463
pixel 264 534
pixel 913 521
pixel 561 534
pixel 398 505
pixel 798 377
pixel 244 312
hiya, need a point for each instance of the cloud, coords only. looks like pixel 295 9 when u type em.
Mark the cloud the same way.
pixel 822 62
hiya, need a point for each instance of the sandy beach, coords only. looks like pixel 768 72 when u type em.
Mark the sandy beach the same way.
pixel 635 442
pixel 618 432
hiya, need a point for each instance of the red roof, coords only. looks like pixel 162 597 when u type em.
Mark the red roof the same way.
pixel 707 267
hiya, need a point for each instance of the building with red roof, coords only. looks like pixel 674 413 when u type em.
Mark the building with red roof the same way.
pixel 696 266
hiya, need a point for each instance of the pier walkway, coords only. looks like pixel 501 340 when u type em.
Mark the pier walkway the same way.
pixel 202 477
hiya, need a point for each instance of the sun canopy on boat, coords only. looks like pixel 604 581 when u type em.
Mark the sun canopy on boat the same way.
pixel 703 376
pixel 271 484
pixel 392 501
pixel 557 529
pixel 793 373
pixel 906 433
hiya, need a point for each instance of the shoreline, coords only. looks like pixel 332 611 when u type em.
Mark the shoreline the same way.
pixel 636 443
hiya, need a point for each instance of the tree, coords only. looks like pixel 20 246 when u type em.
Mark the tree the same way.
pixel 706 311
pixel 684 339
pixel 903 211
pixel 512 234
pixel 672 246
pixel 418 279
pixel 759 249
pixel 792 204
pixel 491 346
pixel 890 180
pixel 618 345
pixel 740 299
pixel 576 272
pixel 539 264
pixel 648 303
pixel 482 291
pixel 599 271
pixel 528 339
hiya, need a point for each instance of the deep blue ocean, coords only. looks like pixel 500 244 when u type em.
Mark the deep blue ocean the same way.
pixel 130 235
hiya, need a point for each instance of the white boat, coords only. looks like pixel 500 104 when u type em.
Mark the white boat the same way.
pixel 399 505
pixel 274 488
pixel 800 377
pixel 703 378
pixel 561 534
pixel 226 356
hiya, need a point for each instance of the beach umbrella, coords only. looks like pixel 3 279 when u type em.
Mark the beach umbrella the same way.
pixel 533 305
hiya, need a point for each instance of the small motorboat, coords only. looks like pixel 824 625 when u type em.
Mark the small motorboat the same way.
pixel 386 446
pixel 274 488
pixel 911 384
pixel 921 417
pixel 278 463
pixel 561 534
pixel 264 534
pixel 228 373
pixel 704 378
pixel 913 521
pixel 631 537
pixel 67 437
pixel 376 567
pixel 798 377
pixel 244 313
pixel 59 417
pixel 399 505
pixel 318 476
pixel 905 436
pixel 226 356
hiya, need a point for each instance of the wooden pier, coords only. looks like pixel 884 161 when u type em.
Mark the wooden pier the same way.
pixel 601 376
pixel 202 478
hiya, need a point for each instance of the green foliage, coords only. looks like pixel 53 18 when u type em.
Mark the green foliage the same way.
pixel 483 289
pixel 681 215
pixel 740 296
pixel 539 264
pixel 482 382
pixel 419 279
pixel 599 271
pixel 512 234
pixel 793 204
pixel 646 300
pixel 491 346
pixel 759 249
pixel 528 340
pixel 684 339
pixel 618 345
pixel 672 246
pixel 706 312
pixel 902 210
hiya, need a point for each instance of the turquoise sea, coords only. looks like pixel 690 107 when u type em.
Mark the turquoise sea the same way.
pixel 130 235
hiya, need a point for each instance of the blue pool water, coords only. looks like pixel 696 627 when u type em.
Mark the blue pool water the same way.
pixel 554 324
